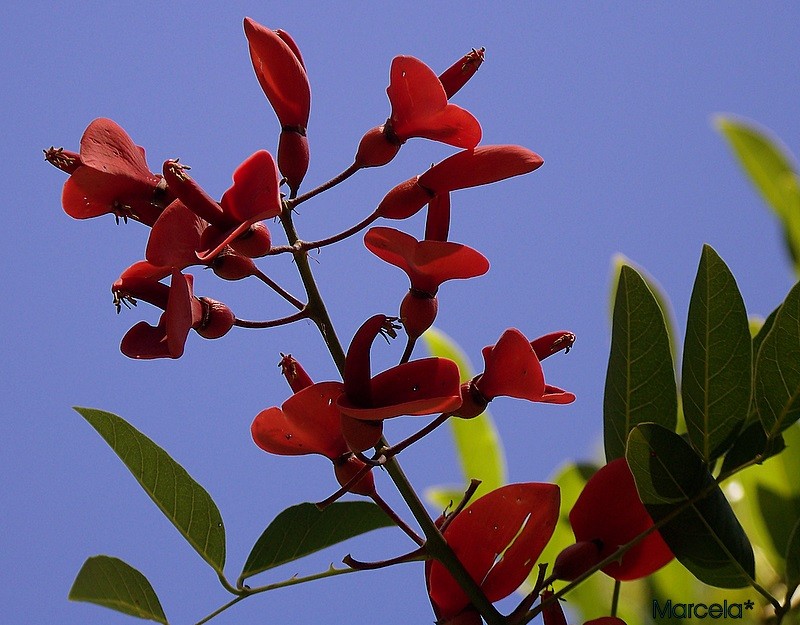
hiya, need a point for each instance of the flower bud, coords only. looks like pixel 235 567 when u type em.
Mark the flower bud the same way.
pixel 293 156
pixel 576 559
pixel 230 265
pixel 404 200
pixel 375 148
pixel 346 469
pixel 418 312
pixel 473 402
pixel 217 319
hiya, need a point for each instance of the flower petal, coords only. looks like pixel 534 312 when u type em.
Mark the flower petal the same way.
pixel 175 237
pixel 183 311
pixel 512 369
pixel 483 165
pixel 145 342
pixel 498 539
pixel 106 147
pixel 419 387
pixel 609 510
pixel 280 73
pixel 254 194
pixel 307 423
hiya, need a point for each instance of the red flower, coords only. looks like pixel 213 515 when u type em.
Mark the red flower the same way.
pixel 498 539
pixel 513 369
pixel 419 387
pixel 110 175
pixel 282 75
pixel 234 220
pixel 470 168
pixel 419 109
pixel 609 514
pixel 182 312
pixel 457 75
pixel 427 264
pixel 309 423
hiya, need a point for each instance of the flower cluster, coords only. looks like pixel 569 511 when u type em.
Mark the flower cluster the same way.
pixel 496 540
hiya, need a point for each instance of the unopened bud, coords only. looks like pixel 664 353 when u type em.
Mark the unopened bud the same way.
pixel 473 402
pixel 293 156
pixel 576 559
pixel 230 265
pixel 375 148
pixel 254 243
pixel 418 312
pixel 217 319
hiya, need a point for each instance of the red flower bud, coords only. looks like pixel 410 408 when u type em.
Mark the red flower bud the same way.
pixel 230 265
pixel 217 319
pixel 576 559
pixel 375 149
pixel 418 312
pixel 293 156
pixel 346 468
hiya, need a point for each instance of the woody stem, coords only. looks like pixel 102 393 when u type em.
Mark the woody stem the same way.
pixel 325 186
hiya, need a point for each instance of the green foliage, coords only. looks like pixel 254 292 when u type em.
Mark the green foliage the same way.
pixel 112 583
pixel 640 382
pixel 772 171
pixel 182 500
pixel 478 446
pixel 700 526
pixel 304 529
pixel 717 360
pixel 777 376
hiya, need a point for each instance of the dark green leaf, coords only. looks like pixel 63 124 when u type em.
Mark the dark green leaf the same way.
pixel 703 532
pixel 772 172
pixel 793 557
pixel 751 443
pixel 640 380
pixel 112 583
pixel 716 380
pixel 304 529
pixel 478 446
pixel 182 500
pixel 780 514
pixel 763 330
pixel 777 377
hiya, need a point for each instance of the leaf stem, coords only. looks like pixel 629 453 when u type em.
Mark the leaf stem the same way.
pixel 397 519
pixel 279 289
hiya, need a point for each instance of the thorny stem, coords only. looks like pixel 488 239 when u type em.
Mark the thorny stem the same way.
pixel 397 520
pixel 324 187
pixel 473 486
pixel 272 323
pixel 279 289
pixel 413 556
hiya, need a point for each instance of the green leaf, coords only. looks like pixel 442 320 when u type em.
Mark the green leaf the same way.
pixel 478 446
pixel 772 172
pixel 703 533
pixel 112 583
pixel 304 529
pixel 640 380
pixel 780 514
pixel 716 380
pixel 182 500
pixel 793 557
pixel 777 377
pixel 751 443
pixel 620 260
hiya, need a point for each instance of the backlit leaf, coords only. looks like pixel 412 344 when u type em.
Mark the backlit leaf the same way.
pixel 716 380
pixel 640 379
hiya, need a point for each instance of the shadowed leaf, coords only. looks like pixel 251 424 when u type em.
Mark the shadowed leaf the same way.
pixel 304 529
pixel 112 583
pixel 705 535
pixel 182 500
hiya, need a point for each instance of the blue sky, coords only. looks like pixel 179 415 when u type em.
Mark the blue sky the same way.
pixel 618 99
